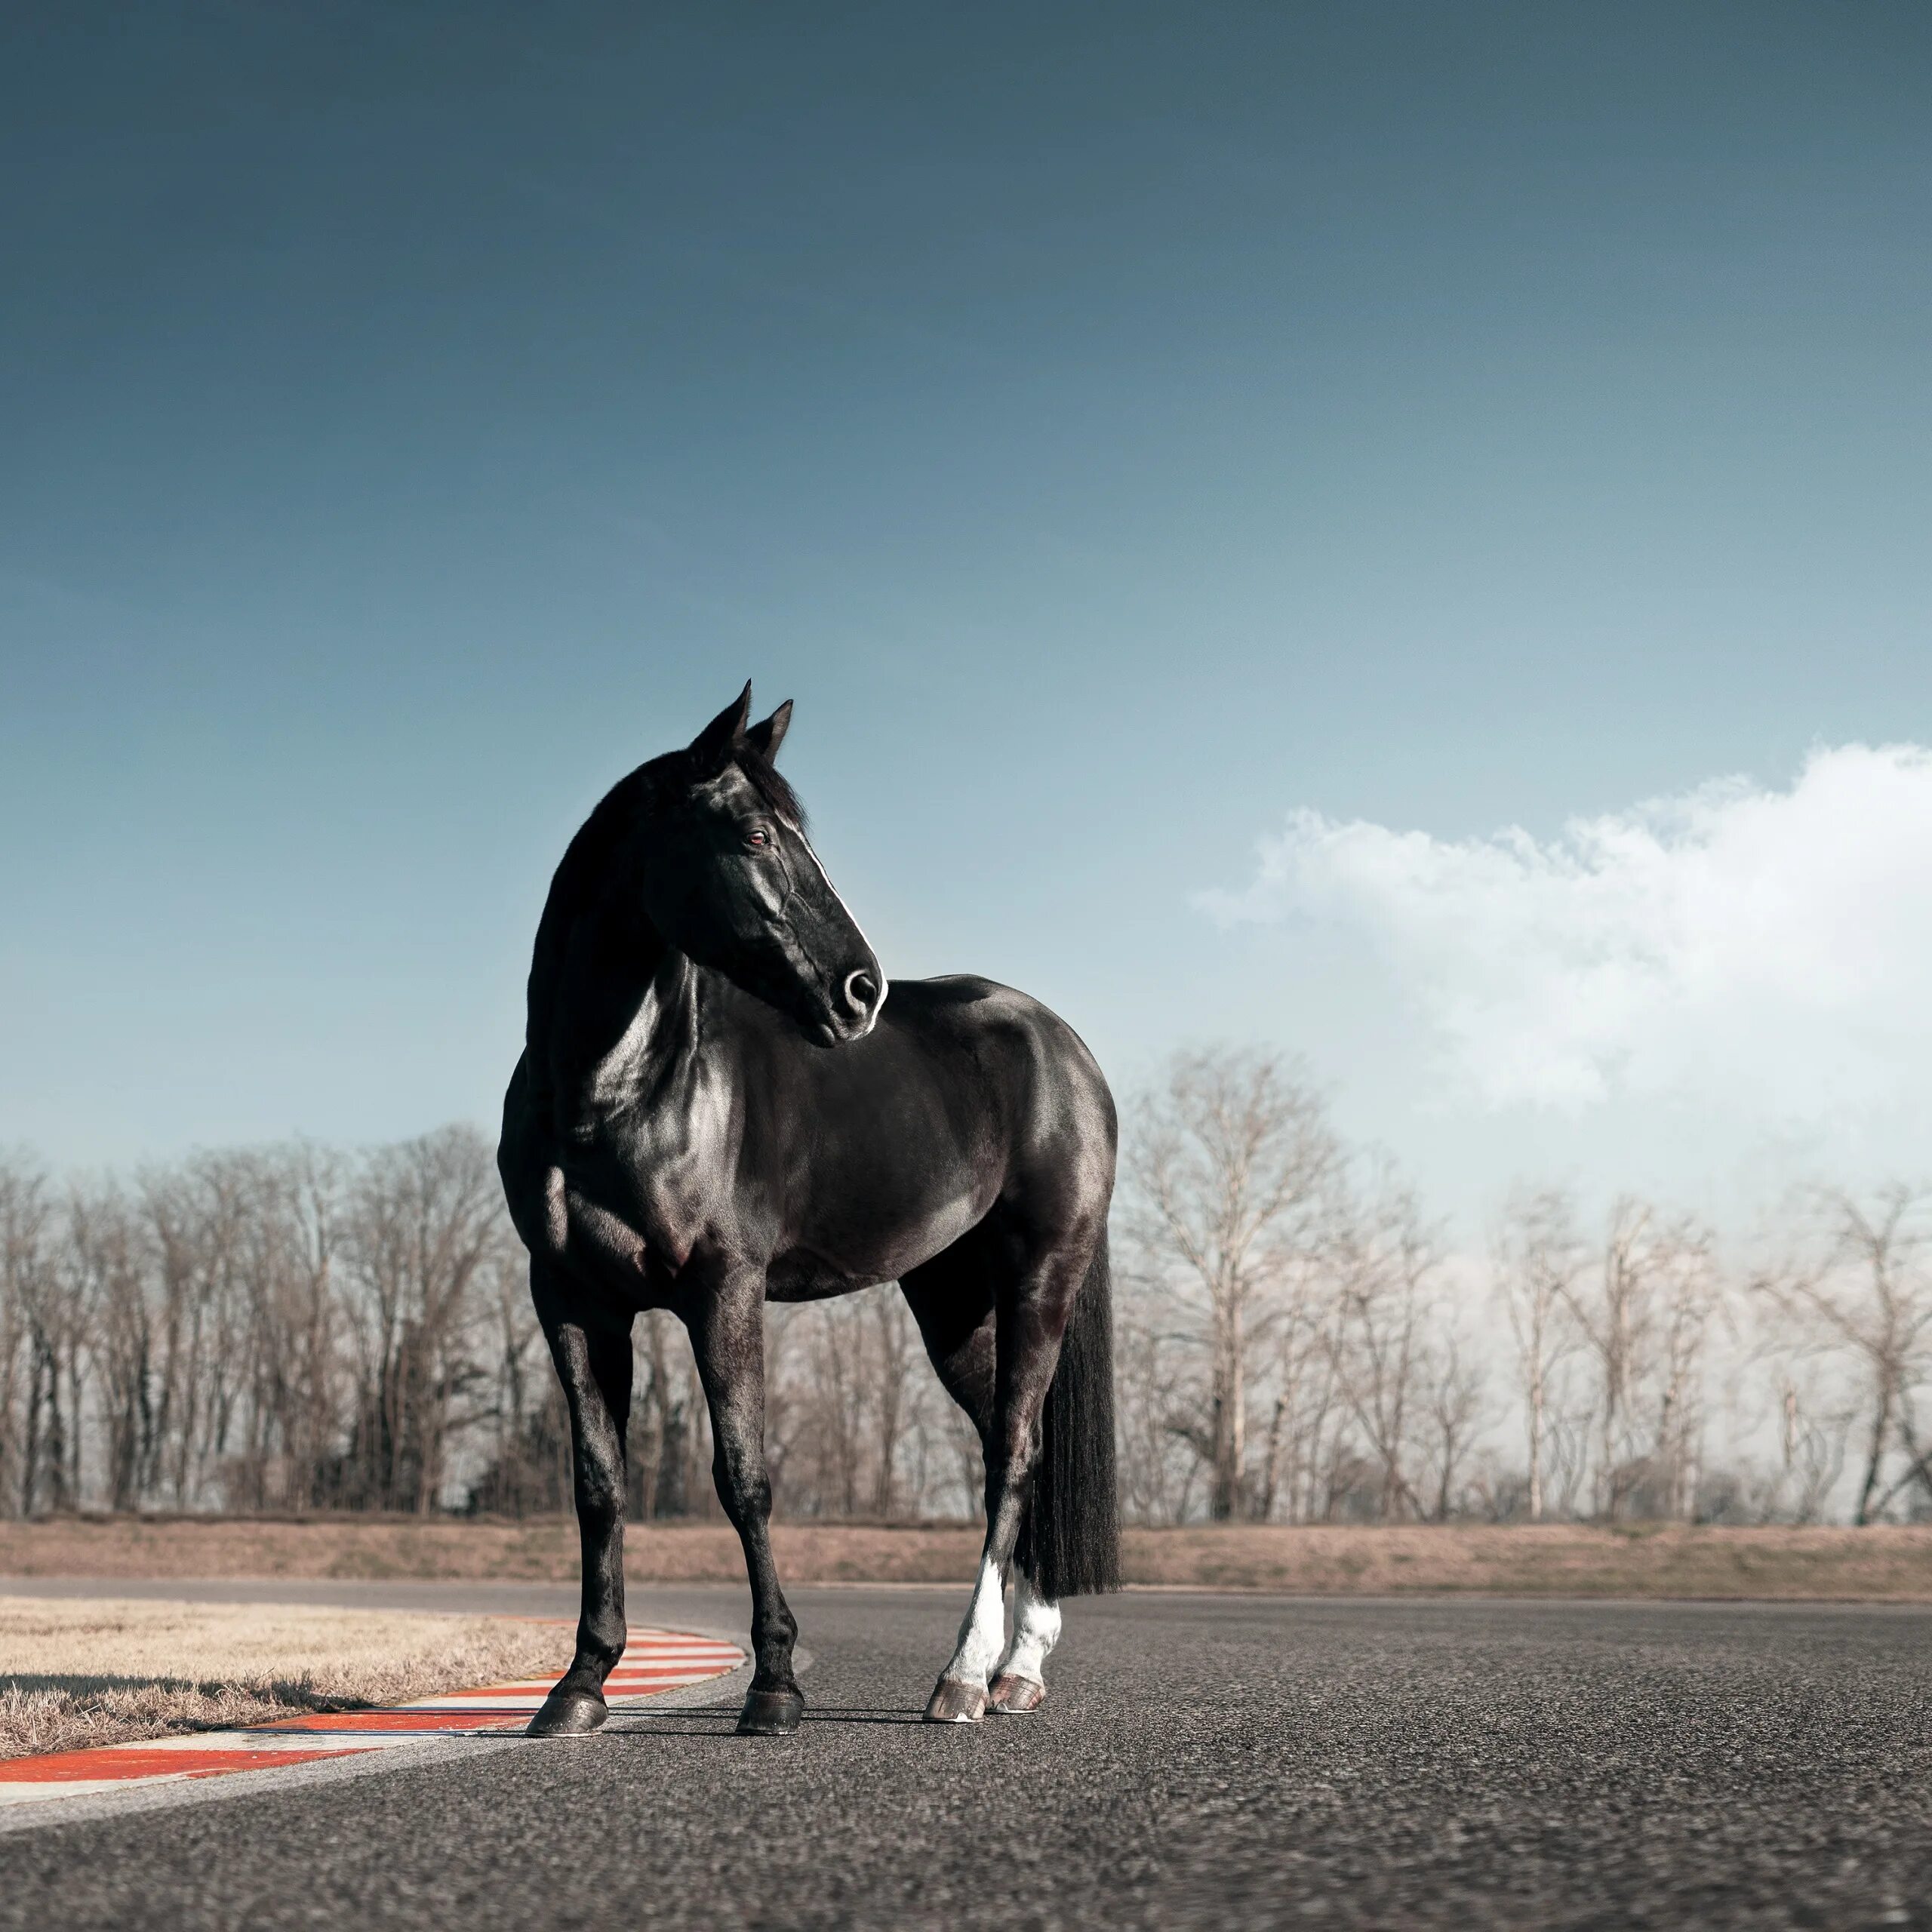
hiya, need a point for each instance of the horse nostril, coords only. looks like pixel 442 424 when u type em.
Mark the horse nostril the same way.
pixel 861 992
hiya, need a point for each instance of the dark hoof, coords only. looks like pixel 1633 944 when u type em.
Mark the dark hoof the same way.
pixel 770 1714
pixel 954 1703
pixel 568 1713
pixel 1014 1696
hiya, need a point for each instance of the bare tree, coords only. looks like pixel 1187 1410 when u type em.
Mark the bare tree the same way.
pixel 104 1249
pixel 1859 1282
pixel 1385 1258
pixel 849 1424
pixel 1157 1403
pixel 670 1429
pixel 1811 1441
pixel 1231 1167
pixel 55 1305
pixel 1538 1259
pixel 424 1217
pixel 895 1348
pixel 1688 1294
pixel 526 1430
pixel 1455 1391
pixel 1641 1314
pixel 24 1216
pixel 1309 1406
pixel 839 1361
pixel 1613 1316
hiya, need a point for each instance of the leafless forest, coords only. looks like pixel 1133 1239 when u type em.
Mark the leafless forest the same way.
pixel 295 1329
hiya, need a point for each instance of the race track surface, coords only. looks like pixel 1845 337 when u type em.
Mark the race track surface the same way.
pixel 1204 1760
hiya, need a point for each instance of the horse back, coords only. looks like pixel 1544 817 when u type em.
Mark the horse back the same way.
pixel 967 1095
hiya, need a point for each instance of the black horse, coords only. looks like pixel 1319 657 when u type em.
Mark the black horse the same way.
pixel 677 1135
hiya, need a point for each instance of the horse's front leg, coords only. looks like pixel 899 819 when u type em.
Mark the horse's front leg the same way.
pixel 594 1361
pixel 727 1325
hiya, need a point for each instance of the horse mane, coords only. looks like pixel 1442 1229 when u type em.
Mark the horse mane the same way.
pixel 642 790
pixel 588 856
pixel 769 783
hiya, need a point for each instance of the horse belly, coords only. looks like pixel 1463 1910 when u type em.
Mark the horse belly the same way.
pixel 859 1238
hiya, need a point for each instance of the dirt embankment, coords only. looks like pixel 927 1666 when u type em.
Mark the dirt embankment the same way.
pixel 1555 1560
pixel 1873 1565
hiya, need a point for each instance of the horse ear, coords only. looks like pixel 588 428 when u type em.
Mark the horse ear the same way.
pixel 713 745
pixel 766 738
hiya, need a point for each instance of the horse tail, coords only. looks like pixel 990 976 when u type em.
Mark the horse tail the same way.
pixel 1070 1544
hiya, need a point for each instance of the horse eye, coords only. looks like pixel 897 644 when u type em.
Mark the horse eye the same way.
pixel 758 835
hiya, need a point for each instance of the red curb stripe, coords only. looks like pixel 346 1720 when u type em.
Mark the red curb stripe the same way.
pixel 112 1763
pixel 716 1666
pixel 398 1720
pixel 681 1660
pixel 667 1680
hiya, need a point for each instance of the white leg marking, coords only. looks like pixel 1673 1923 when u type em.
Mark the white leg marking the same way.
pixel 1036 1631
pixel 984 1631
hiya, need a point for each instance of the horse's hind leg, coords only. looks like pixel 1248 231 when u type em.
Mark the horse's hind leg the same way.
pixel 595 1364
pixel 1036 1294
pixel 1018 1684
pixel 727 1324
pixel 952 1299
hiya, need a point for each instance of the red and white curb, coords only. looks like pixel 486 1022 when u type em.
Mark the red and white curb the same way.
pixel 655 1661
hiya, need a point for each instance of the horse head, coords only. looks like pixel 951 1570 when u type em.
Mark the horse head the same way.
pixel 729 878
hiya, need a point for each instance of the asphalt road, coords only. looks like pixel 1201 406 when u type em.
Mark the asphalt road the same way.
pixel 1204 1760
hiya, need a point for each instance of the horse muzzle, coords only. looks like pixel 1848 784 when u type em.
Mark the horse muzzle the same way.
pixel 853 1011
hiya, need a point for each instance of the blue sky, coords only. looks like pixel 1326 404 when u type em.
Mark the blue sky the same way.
pixel 1119 429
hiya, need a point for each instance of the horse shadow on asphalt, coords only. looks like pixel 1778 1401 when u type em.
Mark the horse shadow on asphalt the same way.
pixel 689 1721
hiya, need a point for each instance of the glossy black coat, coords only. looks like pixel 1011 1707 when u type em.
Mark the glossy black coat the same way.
pixel 720 1101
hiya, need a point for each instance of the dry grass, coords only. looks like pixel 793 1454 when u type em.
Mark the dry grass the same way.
pixel 1546 1560
pixel 106 1671
pixel 1875 1565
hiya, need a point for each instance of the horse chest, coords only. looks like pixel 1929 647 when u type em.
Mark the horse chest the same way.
pixel 644 1179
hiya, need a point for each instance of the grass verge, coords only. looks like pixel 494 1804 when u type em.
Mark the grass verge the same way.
pixel 87 1672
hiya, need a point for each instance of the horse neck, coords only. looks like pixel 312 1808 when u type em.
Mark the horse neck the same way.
pixel 612 1005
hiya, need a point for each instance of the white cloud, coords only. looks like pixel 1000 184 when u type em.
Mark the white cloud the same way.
pixel 1768 951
